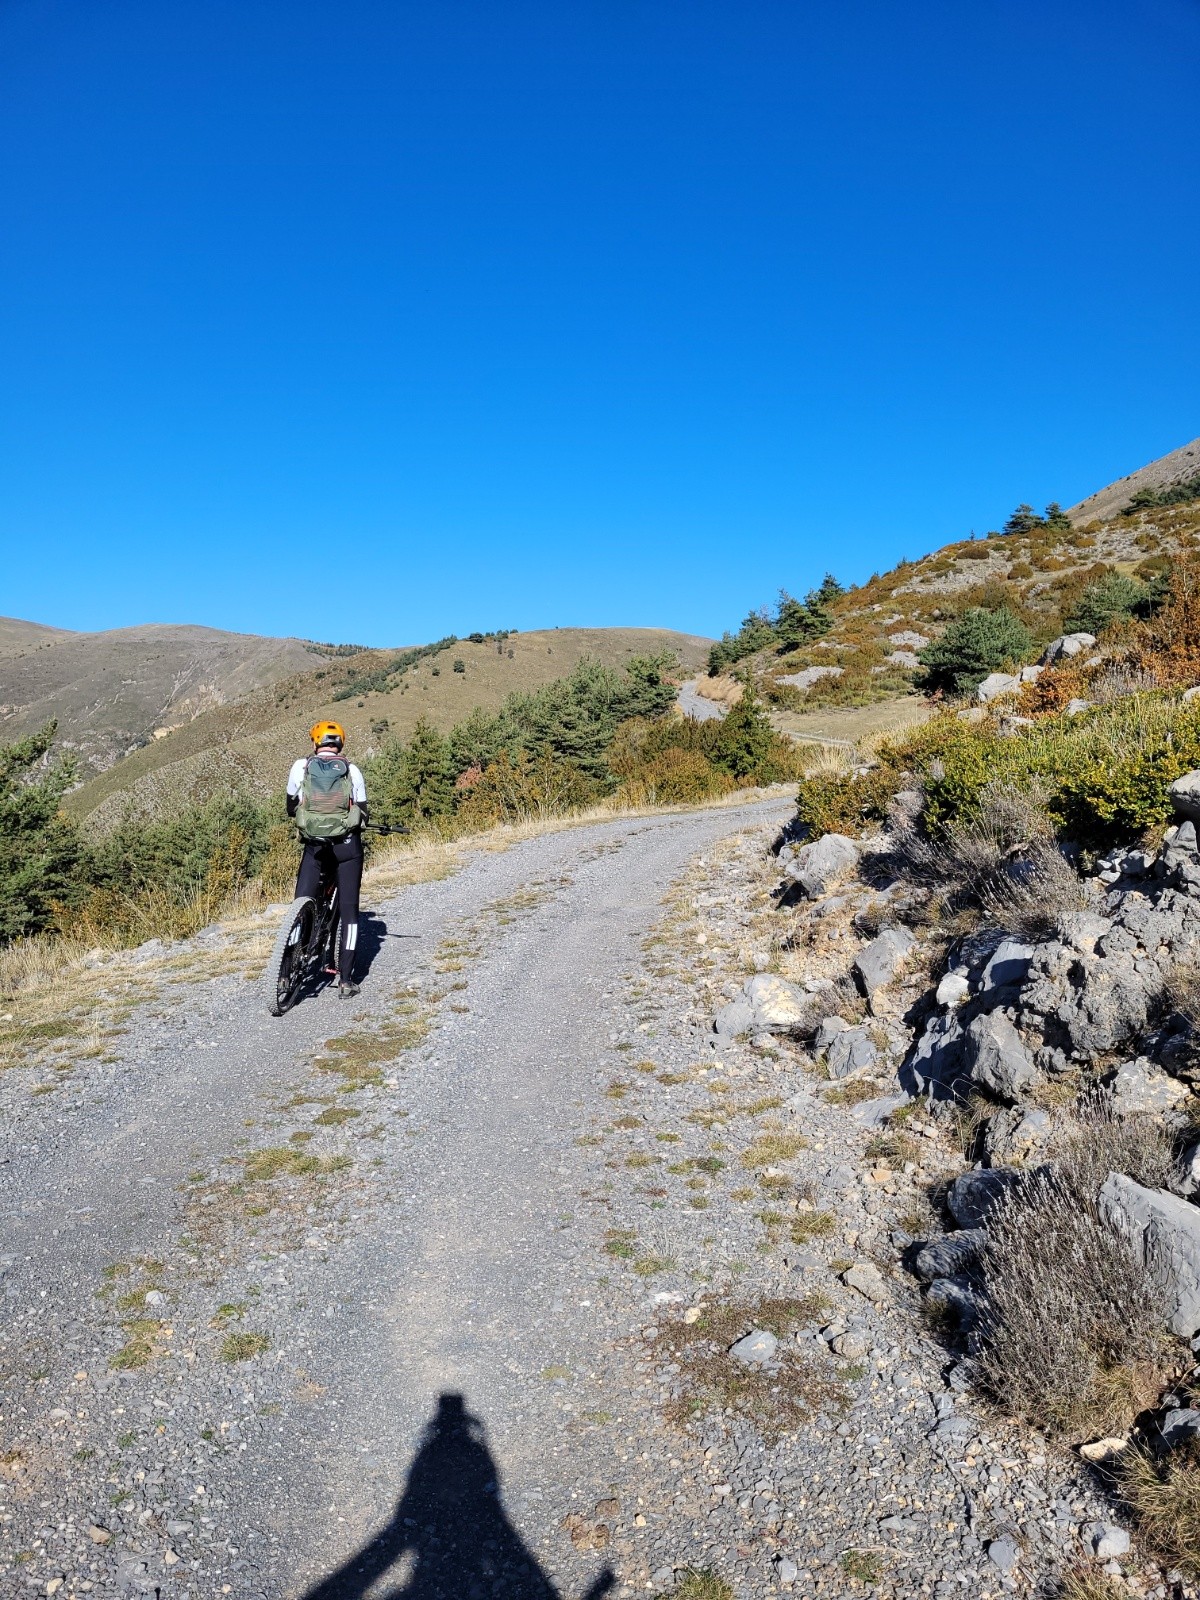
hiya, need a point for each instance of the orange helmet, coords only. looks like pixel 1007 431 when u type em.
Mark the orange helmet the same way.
pixel 327 733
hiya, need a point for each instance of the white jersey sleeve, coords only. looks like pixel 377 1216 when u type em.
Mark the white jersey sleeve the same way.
pixel 296 776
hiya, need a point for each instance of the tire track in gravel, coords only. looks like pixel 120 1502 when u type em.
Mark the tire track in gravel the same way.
pixel 466 1277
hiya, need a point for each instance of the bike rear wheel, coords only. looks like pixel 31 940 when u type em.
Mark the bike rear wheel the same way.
pixel 288 967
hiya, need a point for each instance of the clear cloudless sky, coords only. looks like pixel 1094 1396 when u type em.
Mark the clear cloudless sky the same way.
pixel 373 320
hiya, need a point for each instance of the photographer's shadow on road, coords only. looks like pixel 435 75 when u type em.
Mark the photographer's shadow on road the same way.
pixel 449 1538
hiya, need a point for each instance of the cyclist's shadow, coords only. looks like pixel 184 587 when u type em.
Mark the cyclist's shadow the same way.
pixel 449 1537
pixel 372 931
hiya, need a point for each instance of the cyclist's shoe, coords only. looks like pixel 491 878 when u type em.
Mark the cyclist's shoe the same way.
pixel 348 990
pixel 330 972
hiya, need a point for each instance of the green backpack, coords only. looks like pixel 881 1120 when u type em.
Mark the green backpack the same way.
pixel 327 809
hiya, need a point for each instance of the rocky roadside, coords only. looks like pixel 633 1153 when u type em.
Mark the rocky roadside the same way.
pixel 838 1449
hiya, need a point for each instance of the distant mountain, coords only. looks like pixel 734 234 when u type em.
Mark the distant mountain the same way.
pixel 16 637
pixel 1164 473
pixel 112 692
pixel 146 708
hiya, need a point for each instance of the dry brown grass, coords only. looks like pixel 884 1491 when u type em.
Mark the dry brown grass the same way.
pixel 1094 1141
pixel 1071 1328
pixel 1164 1498
pixel 779 1401
pixel 1085 1583
pixel 1001 863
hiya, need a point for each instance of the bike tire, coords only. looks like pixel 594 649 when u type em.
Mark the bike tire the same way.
pixel 288 966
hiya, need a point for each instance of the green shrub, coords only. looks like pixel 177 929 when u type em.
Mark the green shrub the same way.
pixel 1113 597
pixel 41 855
pixel 977 643
pixel 1103 776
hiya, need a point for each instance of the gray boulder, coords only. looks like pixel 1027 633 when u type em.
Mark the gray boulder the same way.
pixel 1137 1086
pixel 756 1349
pixel 1015 1134
pixel 1090 1005
pixel 949 1255
pixel 1180 1426
pixel 1185 795
pixel 935 1061
pixel 877 964
pixel 952 990
pixel 734 1019
pixel 973 1195
pixel 994 1056
pixel 778 1006
pixel 996 684
pixel 956 1297
pixel 1164 1232
pixel 1066 645
pixel 852 1051
pixel 828 1032
pixel 1009 965
pixel 814 868
pixel 1187 1181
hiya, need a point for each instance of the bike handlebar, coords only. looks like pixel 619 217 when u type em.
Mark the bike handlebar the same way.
pixel 384 827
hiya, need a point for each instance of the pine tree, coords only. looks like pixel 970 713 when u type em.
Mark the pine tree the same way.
pixel 746 741
pixel 42 859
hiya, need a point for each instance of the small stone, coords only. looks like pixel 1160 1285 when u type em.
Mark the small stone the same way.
pixel 1104 1449
pixel 867 1279
pixel 1106 1540
pixel 850 1345
pixel 787 1571
pixel 155 1297
pixel 99 1535
pixel 952 990
pixel 1004 1553
pixel 755 1349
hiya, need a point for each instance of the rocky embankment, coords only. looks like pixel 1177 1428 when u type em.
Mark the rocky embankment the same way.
pixel 1024 1058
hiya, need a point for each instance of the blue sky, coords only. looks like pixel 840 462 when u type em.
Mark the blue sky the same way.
pixel 377 320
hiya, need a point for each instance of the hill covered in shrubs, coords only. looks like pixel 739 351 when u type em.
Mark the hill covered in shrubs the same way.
pixel 600 733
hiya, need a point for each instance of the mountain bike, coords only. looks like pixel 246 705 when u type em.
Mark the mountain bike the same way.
pixel 308 945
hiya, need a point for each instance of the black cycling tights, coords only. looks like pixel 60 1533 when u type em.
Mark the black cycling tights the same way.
pixel 345 856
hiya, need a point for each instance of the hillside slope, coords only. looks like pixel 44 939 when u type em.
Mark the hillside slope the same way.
pixel 1164 473
pixel 113 691
pixel 261 733
pixel 18 637
pixel 870 653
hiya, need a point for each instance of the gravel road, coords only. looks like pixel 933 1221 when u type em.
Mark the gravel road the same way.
pixel 353 1298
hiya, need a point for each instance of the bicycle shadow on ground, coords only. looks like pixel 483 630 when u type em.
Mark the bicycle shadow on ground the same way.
pixel 449 1538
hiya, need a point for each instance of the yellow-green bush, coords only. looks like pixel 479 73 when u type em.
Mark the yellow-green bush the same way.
pixel 1104 774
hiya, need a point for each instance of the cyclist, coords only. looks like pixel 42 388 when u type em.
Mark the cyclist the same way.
pixel 328 798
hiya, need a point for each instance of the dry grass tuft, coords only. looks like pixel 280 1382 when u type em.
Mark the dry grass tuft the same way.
pixel 1096 1142
pixel 702 1583
pixel 278 1161
pixel 242 1346
pixel 771 1148
pixel 1002 861
pixel 1071 1327
pixel 1085 1583
pixel 1164 1498
pixel 778 1401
